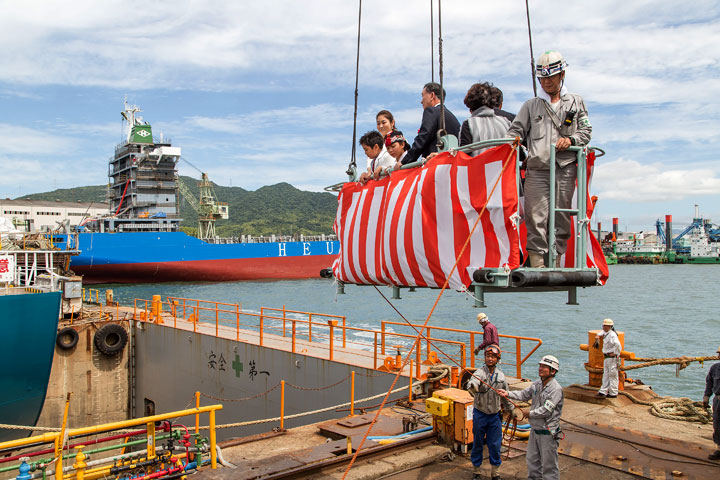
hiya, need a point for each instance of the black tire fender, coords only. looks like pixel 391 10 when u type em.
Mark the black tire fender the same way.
pixel 110 339
pixel 67 338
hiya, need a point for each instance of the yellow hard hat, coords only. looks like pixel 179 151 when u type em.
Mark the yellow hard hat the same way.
pixel 608 322
pixel 482 317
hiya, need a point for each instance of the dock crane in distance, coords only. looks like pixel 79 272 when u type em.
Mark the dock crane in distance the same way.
pixel 208 208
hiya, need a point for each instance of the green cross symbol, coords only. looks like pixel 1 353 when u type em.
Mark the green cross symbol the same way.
pixel 237 365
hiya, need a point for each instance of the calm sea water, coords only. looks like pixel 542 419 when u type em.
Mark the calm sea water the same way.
pixel 664 310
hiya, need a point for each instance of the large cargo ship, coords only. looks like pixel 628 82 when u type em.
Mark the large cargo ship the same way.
pixel 139 240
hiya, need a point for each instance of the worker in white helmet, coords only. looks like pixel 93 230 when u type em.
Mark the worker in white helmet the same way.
pixel 712 387
pixel 611 351
pixel 553 117
pixel 546 405
pixel 490 333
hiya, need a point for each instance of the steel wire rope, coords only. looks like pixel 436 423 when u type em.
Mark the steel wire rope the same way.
pixel 432 43
pixel 440 69
pixel 632 445
pixel 303 414
pixel 353 163
pixel 532 57
pixel 516 143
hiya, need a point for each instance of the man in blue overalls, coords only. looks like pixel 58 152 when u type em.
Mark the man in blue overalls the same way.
pixel 487 416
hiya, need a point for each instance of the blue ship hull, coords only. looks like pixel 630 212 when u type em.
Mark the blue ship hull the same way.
pixel 30 322
pixel 174 256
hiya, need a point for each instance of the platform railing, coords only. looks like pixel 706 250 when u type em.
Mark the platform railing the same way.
pixel 322 335
pixel 472 335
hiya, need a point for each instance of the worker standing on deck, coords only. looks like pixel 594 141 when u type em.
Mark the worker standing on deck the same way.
pixel 712 387
pixel 611 352
pixel 553 117
pixel 490 333
pixel 545 410
pixel 487 416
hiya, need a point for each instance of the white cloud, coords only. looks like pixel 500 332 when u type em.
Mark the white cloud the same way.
pixel 631 181
pixel 28 141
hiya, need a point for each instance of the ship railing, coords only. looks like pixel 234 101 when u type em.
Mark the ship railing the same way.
pixel 28 258
pixel 515 341
pixel 287 238
pixel 130 436
pixel 314 333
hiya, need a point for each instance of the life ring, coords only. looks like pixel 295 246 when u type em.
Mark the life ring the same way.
pixel 110 339
pixel 67 338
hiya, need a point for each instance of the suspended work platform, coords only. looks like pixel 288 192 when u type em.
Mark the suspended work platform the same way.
pixel 457 220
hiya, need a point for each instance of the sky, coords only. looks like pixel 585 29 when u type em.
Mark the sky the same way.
pixel 257 93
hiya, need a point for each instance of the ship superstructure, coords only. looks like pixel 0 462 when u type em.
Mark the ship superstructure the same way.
pixel 143 189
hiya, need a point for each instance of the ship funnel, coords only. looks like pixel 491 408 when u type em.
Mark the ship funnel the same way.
pixel 697 211
pixel 615 227
pixel 668 232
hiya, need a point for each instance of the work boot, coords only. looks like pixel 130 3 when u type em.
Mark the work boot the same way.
pixel 600 394
pixel 494 475
pixel 557 262
pixel 536 260
pixel 715 455
pixel 477 475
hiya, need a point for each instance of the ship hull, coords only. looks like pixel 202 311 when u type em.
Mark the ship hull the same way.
pixel 176 257
pixel 30 321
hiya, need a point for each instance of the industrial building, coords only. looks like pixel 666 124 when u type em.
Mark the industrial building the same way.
pixel 43 215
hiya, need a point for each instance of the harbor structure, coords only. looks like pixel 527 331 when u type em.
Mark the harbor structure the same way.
pixel 43 216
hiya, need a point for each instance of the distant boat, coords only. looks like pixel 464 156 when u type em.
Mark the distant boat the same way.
pixel 140 241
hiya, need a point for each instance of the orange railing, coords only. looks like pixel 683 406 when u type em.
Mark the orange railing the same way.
pixel 517 353
pixel 318 331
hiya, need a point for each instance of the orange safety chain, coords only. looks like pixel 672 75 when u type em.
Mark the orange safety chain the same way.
pixel 516 143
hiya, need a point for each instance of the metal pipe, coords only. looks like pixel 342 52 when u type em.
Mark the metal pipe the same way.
pixel 668 232
pixel 524 278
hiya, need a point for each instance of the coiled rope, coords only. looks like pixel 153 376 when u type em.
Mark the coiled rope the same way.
pixel 670 408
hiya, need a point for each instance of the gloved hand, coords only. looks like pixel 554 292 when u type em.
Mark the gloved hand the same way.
pixel 597 343
pixel 706 402
pixel 518 414
pixel 477 350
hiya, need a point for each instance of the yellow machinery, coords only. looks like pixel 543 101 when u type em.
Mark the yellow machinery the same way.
pixel 452 411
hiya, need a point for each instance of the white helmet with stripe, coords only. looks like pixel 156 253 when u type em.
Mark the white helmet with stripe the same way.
pixel 550 63
pixel 551 362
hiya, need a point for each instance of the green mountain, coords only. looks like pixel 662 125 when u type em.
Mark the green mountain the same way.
pixel 273 209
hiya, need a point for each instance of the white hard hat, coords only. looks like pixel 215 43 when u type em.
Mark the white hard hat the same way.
pixel 718 350
pixel 550 63
pixel 482 317
pixel 550 361
pixel 608 322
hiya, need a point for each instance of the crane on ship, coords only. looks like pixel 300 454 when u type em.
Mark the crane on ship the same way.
pixel 208 208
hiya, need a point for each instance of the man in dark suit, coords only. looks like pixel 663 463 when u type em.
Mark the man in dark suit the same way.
pixel 425 142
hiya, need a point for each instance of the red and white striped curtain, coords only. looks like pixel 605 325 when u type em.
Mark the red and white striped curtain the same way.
pixel 409 228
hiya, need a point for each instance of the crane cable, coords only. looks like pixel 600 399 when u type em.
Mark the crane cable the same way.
pixel 516 143
pixel 432 44
pixel 532 57
pixel 440 62
pixel 352 167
